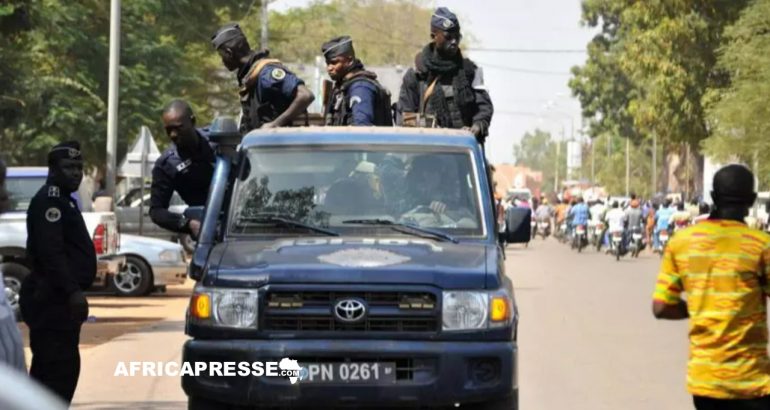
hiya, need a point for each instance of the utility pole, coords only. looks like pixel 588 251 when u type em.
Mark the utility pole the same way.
pixel 264 23
pixel 628 166
pixel 654 163
pixel 112 99
pixel 593 163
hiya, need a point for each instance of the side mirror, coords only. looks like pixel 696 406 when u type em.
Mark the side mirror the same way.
pixel 517 225
pixel 195 212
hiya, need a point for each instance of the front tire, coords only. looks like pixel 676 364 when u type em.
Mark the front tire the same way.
pixel 135 279
pixel 13 277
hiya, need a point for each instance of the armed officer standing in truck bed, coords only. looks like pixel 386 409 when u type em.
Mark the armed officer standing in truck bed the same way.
pixel 444 87
pixel 186 167
pixel 271 95
pixel 63 262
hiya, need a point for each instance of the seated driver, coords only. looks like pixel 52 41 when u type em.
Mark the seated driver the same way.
pixel 431 201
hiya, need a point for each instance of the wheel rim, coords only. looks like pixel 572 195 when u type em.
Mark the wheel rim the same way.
pixel 12 290
pixel 129 278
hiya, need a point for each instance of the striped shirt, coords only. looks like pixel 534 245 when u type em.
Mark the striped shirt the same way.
pixel 723 267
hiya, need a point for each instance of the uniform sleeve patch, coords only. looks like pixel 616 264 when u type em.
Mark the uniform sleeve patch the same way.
pixel 52 214
pixel 354 100
pixel 53 192
pixel 278 74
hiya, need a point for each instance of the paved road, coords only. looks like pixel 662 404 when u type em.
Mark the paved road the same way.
pixel 587 340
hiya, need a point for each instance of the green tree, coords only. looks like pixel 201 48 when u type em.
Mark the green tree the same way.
pixel 538 151
pixel 739 114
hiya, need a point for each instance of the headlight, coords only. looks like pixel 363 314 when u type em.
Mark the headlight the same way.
pixel 465 310
pixel 225 307
pixel 469 310
pixel 168 256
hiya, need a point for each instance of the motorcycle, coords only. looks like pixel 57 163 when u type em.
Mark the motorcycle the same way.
pixel 533 228
pixel 596 237
pixel 561 234
pixel 616 244
pixel 580 239
pixel 637 243
pixel 663 238
pixel 544 229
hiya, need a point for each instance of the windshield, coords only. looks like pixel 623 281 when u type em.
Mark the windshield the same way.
pixel 347 189
pixel 21 191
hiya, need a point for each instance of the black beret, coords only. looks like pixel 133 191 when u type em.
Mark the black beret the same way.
pixel 65 150
pixel 445 20
pixel 338 46
pixel 225 34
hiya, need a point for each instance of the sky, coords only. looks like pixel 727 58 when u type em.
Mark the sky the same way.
pixel 523 100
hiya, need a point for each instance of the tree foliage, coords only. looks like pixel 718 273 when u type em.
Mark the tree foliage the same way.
pixel 739 113
pixel 538 151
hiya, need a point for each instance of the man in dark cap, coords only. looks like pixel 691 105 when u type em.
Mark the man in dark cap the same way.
pixel 63 260
pixel 444 88
pixel 357 97
pixel 186 167
pixel 271 95
pixel 722 265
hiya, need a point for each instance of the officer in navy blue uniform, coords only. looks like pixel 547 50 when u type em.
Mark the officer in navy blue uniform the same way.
pixel 271 95
pixel 186 167
pixel 355 90
pixel 446 86
pixel 63 260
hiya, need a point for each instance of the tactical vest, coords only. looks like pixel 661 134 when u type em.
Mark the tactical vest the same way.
pixel 256 111
pixel 340 113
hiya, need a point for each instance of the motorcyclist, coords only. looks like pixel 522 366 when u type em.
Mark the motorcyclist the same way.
pixel 544 212
pixel 634 218
pixel 598 211
pixel 616 222
pixel 662 220
pixel 680 218
pixel 579 213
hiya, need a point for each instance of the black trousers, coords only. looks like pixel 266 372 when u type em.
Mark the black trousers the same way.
pixel 707 403
pixel 56 359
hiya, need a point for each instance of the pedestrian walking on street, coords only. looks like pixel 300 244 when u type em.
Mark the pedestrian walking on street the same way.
pixel 63 260
pixel 271 95
pixel 722 266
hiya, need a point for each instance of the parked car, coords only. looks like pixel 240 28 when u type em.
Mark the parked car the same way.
pixel 22 183
pixel 151 264
pixel 128 207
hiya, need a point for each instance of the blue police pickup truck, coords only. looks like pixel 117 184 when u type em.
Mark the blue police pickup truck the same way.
pixel 367 255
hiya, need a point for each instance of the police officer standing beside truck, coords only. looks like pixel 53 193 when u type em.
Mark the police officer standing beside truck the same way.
pixel 444 88
pixel 357 97
pixel 186 167
pixel 63 262
pixel 271 95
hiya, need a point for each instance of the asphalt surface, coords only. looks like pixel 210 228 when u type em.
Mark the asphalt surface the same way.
pixel 587 339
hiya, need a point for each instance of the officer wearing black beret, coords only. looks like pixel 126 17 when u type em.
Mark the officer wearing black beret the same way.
pixel 186 167
pixel 445 87
pixel 357 97
pixel 271 95
pixel 63 261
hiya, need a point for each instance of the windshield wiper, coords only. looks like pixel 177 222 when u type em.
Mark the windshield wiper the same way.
pixel 286 222
pixel 404 228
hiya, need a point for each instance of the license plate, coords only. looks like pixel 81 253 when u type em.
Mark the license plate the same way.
pixel 581 230
pixel 663 237
pixel 349 373
pixel 637 236
pixel 544 225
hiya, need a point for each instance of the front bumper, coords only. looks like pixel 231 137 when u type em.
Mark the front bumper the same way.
pixel 442 373
pixel 106 266
pixel 169 274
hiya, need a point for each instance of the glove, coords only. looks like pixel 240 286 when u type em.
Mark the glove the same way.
pixel 78 306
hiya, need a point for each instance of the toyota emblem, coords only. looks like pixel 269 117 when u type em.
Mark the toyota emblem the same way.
pixel 350 310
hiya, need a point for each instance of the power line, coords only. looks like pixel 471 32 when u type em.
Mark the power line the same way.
pixel 522 70
pixel 528 50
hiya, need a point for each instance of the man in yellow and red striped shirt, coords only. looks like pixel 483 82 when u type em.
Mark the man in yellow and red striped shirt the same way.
pixel 722 266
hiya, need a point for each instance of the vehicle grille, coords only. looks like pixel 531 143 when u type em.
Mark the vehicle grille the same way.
pixel 388 311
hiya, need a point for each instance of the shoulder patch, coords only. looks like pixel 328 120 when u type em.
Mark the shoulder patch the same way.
pixel 52 214
pixel 53 192
pixel 278 74
pixel 354 100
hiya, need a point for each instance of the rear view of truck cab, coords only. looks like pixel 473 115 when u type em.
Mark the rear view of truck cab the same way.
pixel 367 255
